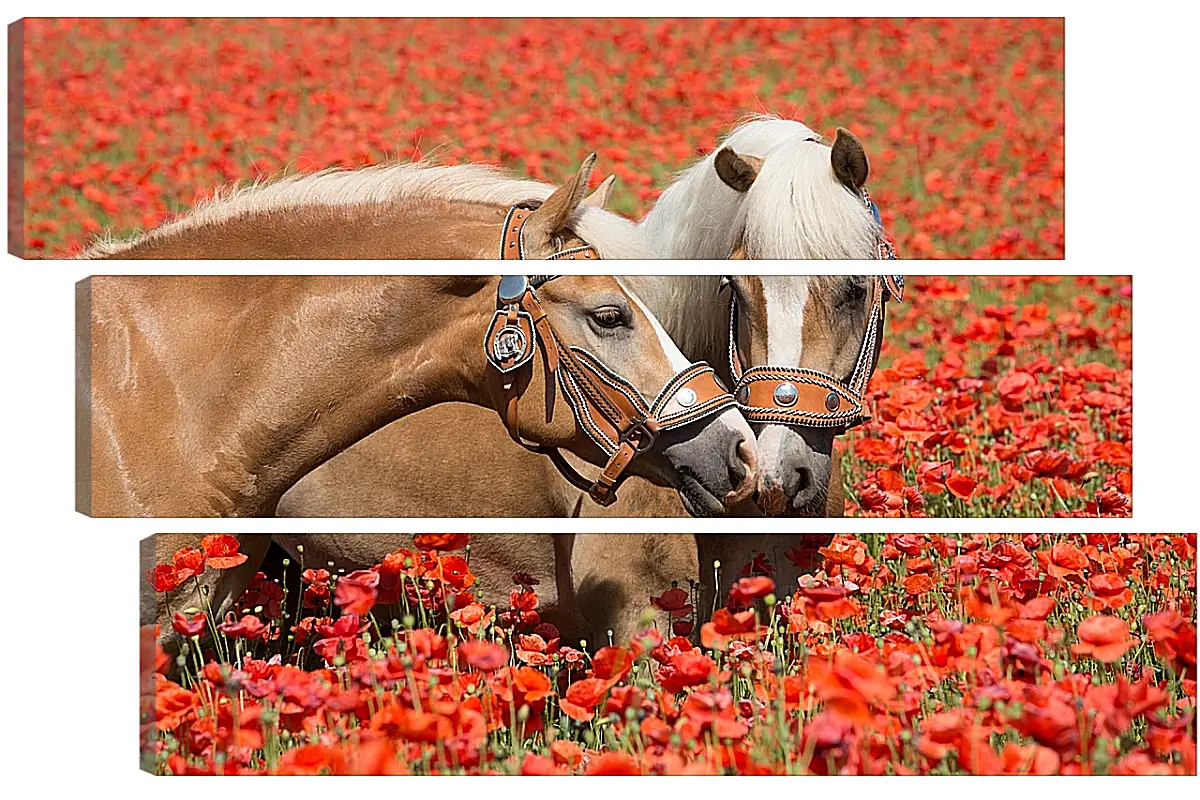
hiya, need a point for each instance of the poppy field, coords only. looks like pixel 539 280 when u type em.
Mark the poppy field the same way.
pixel 900 654
pixel 999 396
pixel 127 122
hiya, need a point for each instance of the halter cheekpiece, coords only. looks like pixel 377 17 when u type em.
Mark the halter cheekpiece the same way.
pixel 606 406
pixel 805 397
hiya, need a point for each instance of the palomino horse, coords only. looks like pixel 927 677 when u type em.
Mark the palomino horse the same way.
pixel 213 396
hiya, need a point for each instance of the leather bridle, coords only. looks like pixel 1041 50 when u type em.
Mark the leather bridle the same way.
pixel 808 398
pixel 606 406
pixel 512 238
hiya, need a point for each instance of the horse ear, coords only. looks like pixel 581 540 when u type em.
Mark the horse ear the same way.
pixel 849 160
pixel 736 171
pixel 603 193
pixel 552 215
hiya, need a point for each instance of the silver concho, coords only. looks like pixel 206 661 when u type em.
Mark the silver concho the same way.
pixel 512 288
pixel 786 395
pixel 686 397
pixel 510 343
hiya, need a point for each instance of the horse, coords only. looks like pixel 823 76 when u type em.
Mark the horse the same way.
pixel 214 395
pixel 820 324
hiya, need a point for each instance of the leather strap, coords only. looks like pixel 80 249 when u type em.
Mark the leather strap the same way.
pixel 606 406
pixel 512 239
pixel 806 397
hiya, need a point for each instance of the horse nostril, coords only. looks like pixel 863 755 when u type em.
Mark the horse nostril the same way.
pixel 743 473
pixel 806 479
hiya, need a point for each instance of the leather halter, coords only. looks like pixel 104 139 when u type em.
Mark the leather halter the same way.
pixel 805 397
pixel 606 406
pixel 512 239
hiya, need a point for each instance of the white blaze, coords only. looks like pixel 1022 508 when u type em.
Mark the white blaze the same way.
pixel 674 356
pixel 785 297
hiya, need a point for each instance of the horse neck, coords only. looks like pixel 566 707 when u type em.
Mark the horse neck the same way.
pixel 403 228
pixel 692 309
pixel 284 373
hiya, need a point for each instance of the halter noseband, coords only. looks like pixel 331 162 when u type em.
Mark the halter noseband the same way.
pixel 805 397
pixel 606 406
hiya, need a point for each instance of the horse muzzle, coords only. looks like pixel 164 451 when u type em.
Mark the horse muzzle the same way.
pixel 714 466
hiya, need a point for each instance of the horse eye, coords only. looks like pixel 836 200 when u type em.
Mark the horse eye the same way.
pixel 608 317
pixel 854 295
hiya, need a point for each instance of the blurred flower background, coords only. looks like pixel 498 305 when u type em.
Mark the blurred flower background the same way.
pixel 130 121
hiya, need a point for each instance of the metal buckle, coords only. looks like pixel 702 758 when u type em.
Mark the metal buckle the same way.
pixel 640 436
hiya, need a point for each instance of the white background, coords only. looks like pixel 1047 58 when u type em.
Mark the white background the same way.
pixel 71 582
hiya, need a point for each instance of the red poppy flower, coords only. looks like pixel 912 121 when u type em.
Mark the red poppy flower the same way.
pixel 525 580
pixel 849 685
pixel 726 625
pixel 582 697
pixel 566 753
pixel 612 664
pixel 221 551
pixel 163 578
pixel 747 590
pixel 172 704
pixel 1174 639
pixel 189 627
pixel 1063 560
pixel 1104 638
pixel 961 486
pixel 612 763
pixel 1014 388
pixel 483 656
pixel 1110 591
pixel 356 593
pixel 316 595
pixel 473 617
pixel 674 601
pixel 535 764
pixel 315 575
pixel 688 668
pixel 918 584
pixel 441 541
pixel 189 562
pixel 532 684
pixel 247 627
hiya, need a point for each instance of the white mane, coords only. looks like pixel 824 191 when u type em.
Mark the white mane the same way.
pixel 611 235
pixel 796 208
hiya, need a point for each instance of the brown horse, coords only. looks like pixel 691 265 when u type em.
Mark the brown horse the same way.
pixel 214 395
